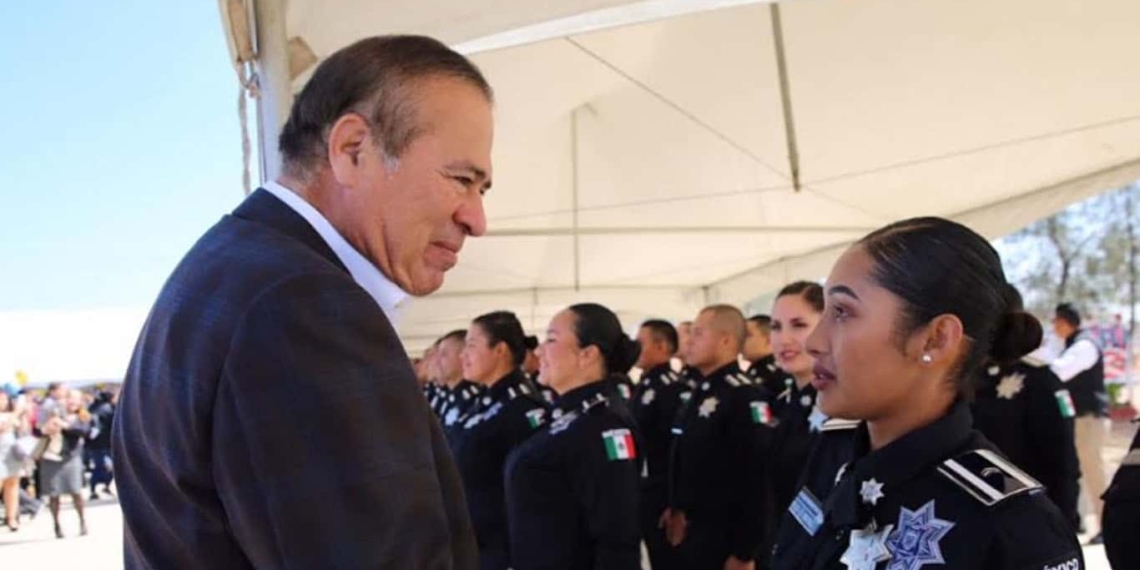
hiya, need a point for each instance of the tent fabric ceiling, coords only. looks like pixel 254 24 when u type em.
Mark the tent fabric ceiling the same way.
pixel 641 157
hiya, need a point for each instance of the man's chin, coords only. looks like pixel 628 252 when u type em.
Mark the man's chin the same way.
pixel 426 283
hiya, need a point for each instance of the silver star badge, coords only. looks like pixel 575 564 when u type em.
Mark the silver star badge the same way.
pixel 867 548
pixel 708 407
pixel 872 491
pixel 817 419
pixel 1010 386
pixel 647 397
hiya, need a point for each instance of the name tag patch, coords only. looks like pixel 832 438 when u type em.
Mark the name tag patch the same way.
pixel 806 510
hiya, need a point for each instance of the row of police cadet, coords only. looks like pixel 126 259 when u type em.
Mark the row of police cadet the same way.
pixel 918 340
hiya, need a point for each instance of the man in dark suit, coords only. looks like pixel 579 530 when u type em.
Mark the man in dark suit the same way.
pixel 270 417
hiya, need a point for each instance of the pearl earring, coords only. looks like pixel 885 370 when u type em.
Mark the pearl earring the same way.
pixel 926 358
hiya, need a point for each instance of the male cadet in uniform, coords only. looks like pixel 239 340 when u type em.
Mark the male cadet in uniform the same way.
pixel 1081 368
pixel 655 402
pixel 448 369
pixel 758 351
pixel 717 511
pixel 461 394
pixel 1122 512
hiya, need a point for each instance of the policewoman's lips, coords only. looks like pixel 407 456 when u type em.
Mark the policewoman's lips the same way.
pixel 787 355
pixel 822 378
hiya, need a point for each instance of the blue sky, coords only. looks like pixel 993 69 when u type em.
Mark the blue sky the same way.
pixel 121 145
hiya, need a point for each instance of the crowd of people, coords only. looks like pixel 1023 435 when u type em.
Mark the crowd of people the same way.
pixel 886 420
pixel 52 446
pixel 854 424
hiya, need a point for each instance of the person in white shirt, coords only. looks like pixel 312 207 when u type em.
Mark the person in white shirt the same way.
pixel 1081 368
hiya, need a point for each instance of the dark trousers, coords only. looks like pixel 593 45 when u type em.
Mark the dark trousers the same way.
pixel 662 555
pixel 705 547
pixel 99 461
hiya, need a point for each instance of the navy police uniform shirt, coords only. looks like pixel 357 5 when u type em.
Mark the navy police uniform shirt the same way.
pixel 1122 512
pixel 572 487
pixel 654 405
pixel 800 421
pixel 774 380
pixel 500 419
pixel 938 498
pixel 458 401
pixel 1025 410
pixel 718 456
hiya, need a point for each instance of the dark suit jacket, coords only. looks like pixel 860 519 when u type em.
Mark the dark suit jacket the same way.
pixel 270 417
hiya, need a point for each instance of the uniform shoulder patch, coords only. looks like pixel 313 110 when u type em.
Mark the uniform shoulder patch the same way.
pixel 619 444
pixel 987 477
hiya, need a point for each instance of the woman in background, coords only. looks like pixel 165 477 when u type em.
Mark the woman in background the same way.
pixel 62 472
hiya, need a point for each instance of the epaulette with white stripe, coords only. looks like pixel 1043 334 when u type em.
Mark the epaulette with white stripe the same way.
pixel 836 424
pixel 987 477
pixel 745 380
pixel 732 380
pixel 1033 361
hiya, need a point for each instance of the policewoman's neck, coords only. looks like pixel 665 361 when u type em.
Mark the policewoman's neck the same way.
pixel 919 409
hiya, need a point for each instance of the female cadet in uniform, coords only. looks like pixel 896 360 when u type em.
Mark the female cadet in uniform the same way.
pixel 1021 406
pixel 505 414
pixel 572 488
pixel 795 313
pixel 911 311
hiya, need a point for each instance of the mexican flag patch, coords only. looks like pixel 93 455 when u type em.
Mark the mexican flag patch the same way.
pixel 619 444
pixel 761 413
pixel 535 417
pixel 1065 402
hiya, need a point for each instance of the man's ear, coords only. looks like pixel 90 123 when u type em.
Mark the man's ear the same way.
pixel 349 139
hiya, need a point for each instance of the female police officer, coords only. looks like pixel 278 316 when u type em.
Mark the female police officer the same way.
pixel 507 413
pixel 1021 406
pixel 910 314
pixel 572 488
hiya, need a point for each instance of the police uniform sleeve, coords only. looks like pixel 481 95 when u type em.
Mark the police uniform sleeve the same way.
pixel 605 479
pixel 751 434
pixel 1026 540
pixel 1122 511
pixel 1054 443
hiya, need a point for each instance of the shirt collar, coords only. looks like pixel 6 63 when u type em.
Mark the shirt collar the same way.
pixel 386 293
pixel 900 461
pixel 574 398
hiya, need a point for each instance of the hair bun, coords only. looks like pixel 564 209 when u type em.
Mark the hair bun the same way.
pixel 624 355
pixel 1018 333
pixel 531 342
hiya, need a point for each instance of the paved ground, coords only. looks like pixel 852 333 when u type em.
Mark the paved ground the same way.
pixel 35 546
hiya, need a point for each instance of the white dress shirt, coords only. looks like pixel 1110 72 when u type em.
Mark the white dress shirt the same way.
pixel 386 293
pixel 1076 359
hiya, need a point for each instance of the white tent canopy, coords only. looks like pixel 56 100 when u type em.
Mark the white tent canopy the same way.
pixel 655 156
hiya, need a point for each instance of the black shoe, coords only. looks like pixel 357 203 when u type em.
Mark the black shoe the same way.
pixel 1096 540
pixel 93 497
pixel 58 531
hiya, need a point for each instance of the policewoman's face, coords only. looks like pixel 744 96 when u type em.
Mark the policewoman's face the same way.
pixel 860 371
pixel 478 358
pixel 559 357
pixel 793 319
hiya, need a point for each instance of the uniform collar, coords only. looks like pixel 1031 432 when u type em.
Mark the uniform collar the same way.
pixel 582 396
pixel 508 387
pixel 904 459
pixel 720 375
pixel 765 362
pixel 659 371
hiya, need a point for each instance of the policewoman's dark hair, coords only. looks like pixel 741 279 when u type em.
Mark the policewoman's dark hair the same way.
pixel 939 267
pixel 809 291
pixel 504 326
pixel 598 326
pixel 531 342
pixel 1018 332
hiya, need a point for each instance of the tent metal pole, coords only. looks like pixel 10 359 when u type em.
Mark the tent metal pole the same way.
pixel 786 96
pixel 275 92
pixel 574 197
